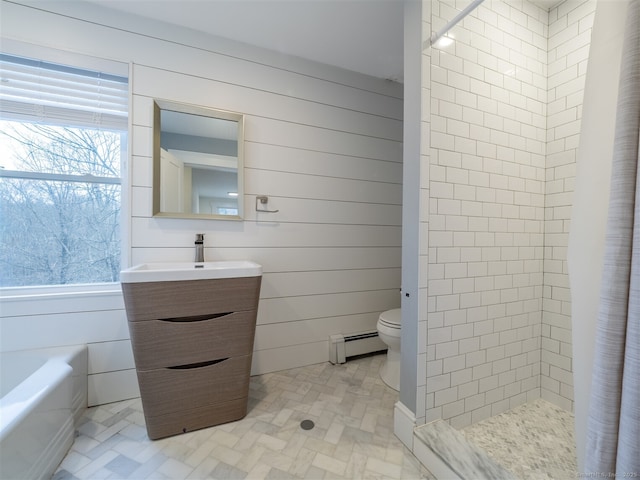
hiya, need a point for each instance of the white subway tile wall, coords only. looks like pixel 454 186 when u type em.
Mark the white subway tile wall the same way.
pixel 486 222
pixel 569 37
pixel 428 135
pixel 504 113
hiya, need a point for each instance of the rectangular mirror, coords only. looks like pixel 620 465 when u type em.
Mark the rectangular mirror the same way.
pixel 197 162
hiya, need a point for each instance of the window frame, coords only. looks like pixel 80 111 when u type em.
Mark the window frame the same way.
pixel 85 62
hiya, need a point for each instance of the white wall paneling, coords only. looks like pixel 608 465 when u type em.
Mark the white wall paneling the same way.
pixel 287 259
pixel 302 186
pixel 257 101
pixel 57 329
pixel 112 374
pixel 291 309
pixel 41 322
pixel 286 159
pixel 112 386
pixel 153 233
pixel 19 304
pixel 110 356
pixel 325 144
pixel 96 319
pixel 272 360
pixel 302 210
pixel 307 331
pixel 292 284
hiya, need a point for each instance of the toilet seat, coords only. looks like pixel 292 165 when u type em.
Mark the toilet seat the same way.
pixel 391 326
pixel 391 318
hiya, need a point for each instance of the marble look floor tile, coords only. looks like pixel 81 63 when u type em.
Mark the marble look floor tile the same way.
pixel 122 466
pixel 330 464
pixel 384 468
pixel 73 462
pixel 353 435
pixel 92 470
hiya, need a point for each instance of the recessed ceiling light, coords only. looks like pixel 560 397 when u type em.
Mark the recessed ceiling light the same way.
pixel 444 42
pixel 232 194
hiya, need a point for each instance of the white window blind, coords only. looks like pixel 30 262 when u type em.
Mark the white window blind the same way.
pixel 44 92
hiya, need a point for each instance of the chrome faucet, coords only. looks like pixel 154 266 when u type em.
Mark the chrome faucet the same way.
pixel 199 247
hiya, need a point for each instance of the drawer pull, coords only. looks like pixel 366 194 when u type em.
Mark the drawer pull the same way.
pixel 196 318
pixel 197 365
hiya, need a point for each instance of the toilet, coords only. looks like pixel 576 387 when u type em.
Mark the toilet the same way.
pixel 389 332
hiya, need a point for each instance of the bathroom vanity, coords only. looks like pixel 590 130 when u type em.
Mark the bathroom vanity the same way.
pixel 192 328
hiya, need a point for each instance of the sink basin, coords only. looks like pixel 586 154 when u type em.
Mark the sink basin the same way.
pixel 173 271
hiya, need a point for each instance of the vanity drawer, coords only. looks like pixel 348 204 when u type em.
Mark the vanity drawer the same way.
pixel 171 342
pixel 167 390
pixel 190 419
pixel 188 298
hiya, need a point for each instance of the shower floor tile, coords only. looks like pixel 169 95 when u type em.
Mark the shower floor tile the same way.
pixel 532 441
pixel 352 410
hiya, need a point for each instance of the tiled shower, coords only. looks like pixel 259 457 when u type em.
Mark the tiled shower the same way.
pixel 502 105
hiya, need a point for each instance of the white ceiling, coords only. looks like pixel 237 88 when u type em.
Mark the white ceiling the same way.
pixel 361 35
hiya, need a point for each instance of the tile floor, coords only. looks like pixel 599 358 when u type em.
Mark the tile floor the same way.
pixel 352 438
pixel 532 441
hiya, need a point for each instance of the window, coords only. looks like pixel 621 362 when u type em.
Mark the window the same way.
pixel 227 211
pixel 63 135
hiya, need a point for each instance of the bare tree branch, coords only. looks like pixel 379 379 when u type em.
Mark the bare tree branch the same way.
pixel 55 232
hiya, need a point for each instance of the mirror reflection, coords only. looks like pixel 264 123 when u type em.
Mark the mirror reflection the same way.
pixel 197 162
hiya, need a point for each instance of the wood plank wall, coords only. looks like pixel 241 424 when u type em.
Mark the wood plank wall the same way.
pixel 323 143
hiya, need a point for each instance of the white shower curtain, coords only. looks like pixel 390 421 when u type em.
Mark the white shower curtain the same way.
pixel 613 429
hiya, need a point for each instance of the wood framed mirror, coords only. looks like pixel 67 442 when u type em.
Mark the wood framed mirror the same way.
pixel 198 162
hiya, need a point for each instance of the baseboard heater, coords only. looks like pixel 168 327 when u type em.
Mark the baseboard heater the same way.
pixel 342 347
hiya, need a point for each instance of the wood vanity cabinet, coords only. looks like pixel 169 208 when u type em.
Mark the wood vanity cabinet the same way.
pixel 192 344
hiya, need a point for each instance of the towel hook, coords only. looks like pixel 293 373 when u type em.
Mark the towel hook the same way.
pixel 263 200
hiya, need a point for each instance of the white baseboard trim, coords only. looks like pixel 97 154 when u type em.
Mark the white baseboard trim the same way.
pixel 404 421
